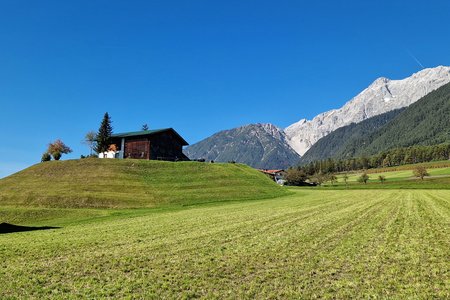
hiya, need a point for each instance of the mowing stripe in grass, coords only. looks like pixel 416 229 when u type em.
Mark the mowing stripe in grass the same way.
pixel 327 244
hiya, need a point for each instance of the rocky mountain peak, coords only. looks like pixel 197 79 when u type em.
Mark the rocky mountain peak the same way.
pixel 381 96
pixel 259 145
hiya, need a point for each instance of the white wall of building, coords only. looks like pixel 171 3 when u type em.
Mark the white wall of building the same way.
pixel 107 154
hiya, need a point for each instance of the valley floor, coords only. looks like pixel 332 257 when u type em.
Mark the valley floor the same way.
pixel 311 244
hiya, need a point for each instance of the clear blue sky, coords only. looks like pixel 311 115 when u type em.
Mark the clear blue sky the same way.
pixel 198 66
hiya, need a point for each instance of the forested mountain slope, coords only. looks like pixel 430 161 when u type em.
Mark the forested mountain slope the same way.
pixel 425 122
pixel 346 141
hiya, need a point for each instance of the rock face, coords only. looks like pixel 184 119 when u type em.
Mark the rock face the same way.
pixel 262 146
pixel 381 96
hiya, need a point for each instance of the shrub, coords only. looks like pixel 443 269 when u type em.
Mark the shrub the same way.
pixel 345 178
pixel 57 155
pixel 332 179
pixel 46 157
pixel 363 178
pixel 318 178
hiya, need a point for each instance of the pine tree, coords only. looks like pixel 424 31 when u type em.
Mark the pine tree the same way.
pixel 104 134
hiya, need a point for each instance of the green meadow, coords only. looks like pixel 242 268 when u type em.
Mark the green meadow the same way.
pixel 290 243
pixel 396 175
pixel 400 177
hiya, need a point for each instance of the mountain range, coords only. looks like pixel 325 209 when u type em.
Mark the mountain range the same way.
pixel 381 96
pixel 267 146
pixel 262 146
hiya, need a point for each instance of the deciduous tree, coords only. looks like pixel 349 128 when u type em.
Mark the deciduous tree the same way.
pixel 295 176
pixel 420 171
pixel 90 139
pixel 57 149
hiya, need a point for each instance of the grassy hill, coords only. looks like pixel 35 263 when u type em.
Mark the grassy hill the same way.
pixel 102 183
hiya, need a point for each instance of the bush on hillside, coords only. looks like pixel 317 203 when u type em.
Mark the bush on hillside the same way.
pixel 363 178
pixel 46 157
pixel 295 177
pixel 318 178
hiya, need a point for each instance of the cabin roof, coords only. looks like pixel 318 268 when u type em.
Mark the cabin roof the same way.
pixel 272 172
pixel 148 133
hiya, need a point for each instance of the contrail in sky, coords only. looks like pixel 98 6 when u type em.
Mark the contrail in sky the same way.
pixel 415 58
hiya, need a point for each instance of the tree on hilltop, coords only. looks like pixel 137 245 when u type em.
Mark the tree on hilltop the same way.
pixel 104 134
pixel 90 139
pixel 57 149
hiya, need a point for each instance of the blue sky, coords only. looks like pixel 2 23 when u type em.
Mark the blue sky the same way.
pixel 197 66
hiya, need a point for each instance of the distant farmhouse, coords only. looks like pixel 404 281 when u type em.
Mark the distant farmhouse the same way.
pixel 275 175
pixel 159 144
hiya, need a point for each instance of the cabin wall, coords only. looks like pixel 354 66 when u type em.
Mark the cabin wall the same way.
pixel 166 146
pixel 137 148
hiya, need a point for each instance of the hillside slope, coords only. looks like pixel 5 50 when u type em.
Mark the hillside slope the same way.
pixel 261 146
pixel 132 183
pixel 346 141
pixel 425 122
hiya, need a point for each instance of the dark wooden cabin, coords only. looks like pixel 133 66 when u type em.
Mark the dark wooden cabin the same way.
pixel 159 144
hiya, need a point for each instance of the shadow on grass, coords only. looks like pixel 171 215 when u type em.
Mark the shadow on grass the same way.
pixel 9 228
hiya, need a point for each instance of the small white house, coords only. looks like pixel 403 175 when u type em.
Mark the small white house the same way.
pixel 107 154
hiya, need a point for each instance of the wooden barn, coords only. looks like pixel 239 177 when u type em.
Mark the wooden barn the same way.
pixel 159 144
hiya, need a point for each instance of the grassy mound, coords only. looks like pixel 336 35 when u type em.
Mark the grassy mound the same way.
pixel 132 183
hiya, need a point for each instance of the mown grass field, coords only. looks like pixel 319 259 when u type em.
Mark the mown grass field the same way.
pixel 401 177
pixel 312 243
pixel 395 175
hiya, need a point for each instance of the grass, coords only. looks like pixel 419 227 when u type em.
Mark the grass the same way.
pixel 309 244
pixel 396 178
pixel 104 183
pixel 395 175
pixel 139 229
pixel 429 165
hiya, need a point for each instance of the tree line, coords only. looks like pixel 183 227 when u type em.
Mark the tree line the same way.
pixel 389 158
